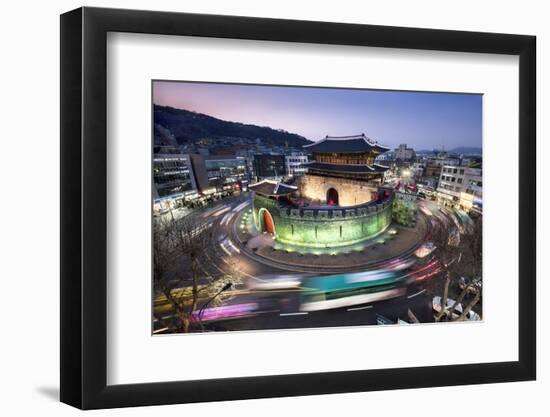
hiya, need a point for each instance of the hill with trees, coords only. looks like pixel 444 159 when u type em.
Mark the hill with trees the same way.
pixel 186 127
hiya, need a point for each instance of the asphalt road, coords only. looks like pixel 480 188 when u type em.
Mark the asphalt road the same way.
pixel 282 310
pixel 416 299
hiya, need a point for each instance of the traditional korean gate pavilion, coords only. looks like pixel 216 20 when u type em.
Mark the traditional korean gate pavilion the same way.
pixel 337 203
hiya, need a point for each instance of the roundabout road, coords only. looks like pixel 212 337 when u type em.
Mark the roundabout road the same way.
pixel 308 265
pixel 227 256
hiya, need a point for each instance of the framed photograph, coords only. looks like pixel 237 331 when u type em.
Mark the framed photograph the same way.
pixel 257 208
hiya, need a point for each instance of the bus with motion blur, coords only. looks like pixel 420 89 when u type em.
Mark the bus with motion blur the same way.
pixel 349 289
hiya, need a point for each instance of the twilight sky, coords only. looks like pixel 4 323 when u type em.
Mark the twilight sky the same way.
pixel 421 120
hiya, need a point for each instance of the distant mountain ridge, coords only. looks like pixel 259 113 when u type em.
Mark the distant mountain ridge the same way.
pixel 184 127
pixel 469 150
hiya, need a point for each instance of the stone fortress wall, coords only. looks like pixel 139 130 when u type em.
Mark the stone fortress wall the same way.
pixel 350 192
pixel 323 227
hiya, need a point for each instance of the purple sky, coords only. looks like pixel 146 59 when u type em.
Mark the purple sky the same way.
pixel 422 120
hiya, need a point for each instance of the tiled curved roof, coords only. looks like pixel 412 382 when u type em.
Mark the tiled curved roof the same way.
pixel 356 143
pixel 347 168
pixel 269 187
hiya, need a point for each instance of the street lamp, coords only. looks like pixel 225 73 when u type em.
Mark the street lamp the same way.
pixel 226 287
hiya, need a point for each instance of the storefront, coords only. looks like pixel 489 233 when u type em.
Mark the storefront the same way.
pixel 470 202
pixel 165 204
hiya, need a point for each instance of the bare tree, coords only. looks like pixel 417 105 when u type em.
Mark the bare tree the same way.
pixel 181 249
pixel 460 256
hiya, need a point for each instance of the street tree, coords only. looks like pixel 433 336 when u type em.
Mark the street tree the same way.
pixel 181 250
pixel 460 255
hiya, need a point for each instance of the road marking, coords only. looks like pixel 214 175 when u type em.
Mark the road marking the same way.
pixel 301 313
pixel 359 308
pixel 417 293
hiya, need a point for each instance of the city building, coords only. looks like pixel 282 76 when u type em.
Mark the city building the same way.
pixel 402 153
pixel 432 169
pixel 460 187
pixel 173 180
pixel 269 166
pixel 248 155
pixel 433 165
pixel 471 200
pixel 417 169
pixel 340 201
pixel 472 161
pixel 199 170
pixel 225 169
pixel 385 157
pixel 296 164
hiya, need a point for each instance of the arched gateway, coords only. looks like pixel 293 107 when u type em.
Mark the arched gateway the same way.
pixel 332 197
pixel 266 222
pixel 269 192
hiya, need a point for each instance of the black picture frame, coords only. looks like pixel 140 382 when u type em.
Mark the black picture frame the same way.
pixel 84 207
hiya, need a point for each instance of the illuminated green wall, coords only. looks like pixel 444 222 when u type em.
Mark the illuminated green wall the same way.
pixel 324 228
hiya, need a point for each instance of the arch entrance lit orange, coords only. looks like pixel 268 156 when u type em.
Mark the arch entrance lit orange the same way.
pixel 332 197
pixel 268 224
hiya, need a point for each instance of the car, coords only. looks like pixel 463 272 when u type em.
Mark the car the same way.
pixel 473 287
pixel 473 316
pixel 436 305
pixel 458 310
pixel 425 249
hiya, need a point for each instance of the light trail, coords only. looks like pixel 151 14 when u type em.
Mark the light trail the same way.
pixel 241 206
pixel 220 212
pixel 213 210
pixel 225 250
pixel 227 218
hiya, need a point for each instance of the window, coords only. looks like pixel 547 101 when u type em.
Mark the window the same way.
pixel 459 180
pixel 461 172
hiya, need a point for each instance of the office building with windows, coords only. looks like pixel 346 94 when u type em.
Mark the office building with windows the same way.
pixel 173 180
pixel 296 164
pixel 460 187
pixel 269 166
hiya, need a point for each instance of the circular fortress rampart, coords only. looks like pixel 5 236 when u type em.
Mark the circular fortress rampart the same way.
pixel 321 227
pixel 341 187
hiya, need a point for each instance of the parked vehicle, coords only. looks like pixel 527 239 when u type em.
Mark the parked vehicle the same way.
pixel 473 286
pixel 425 250
pixel 436 305
pixel 458 310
